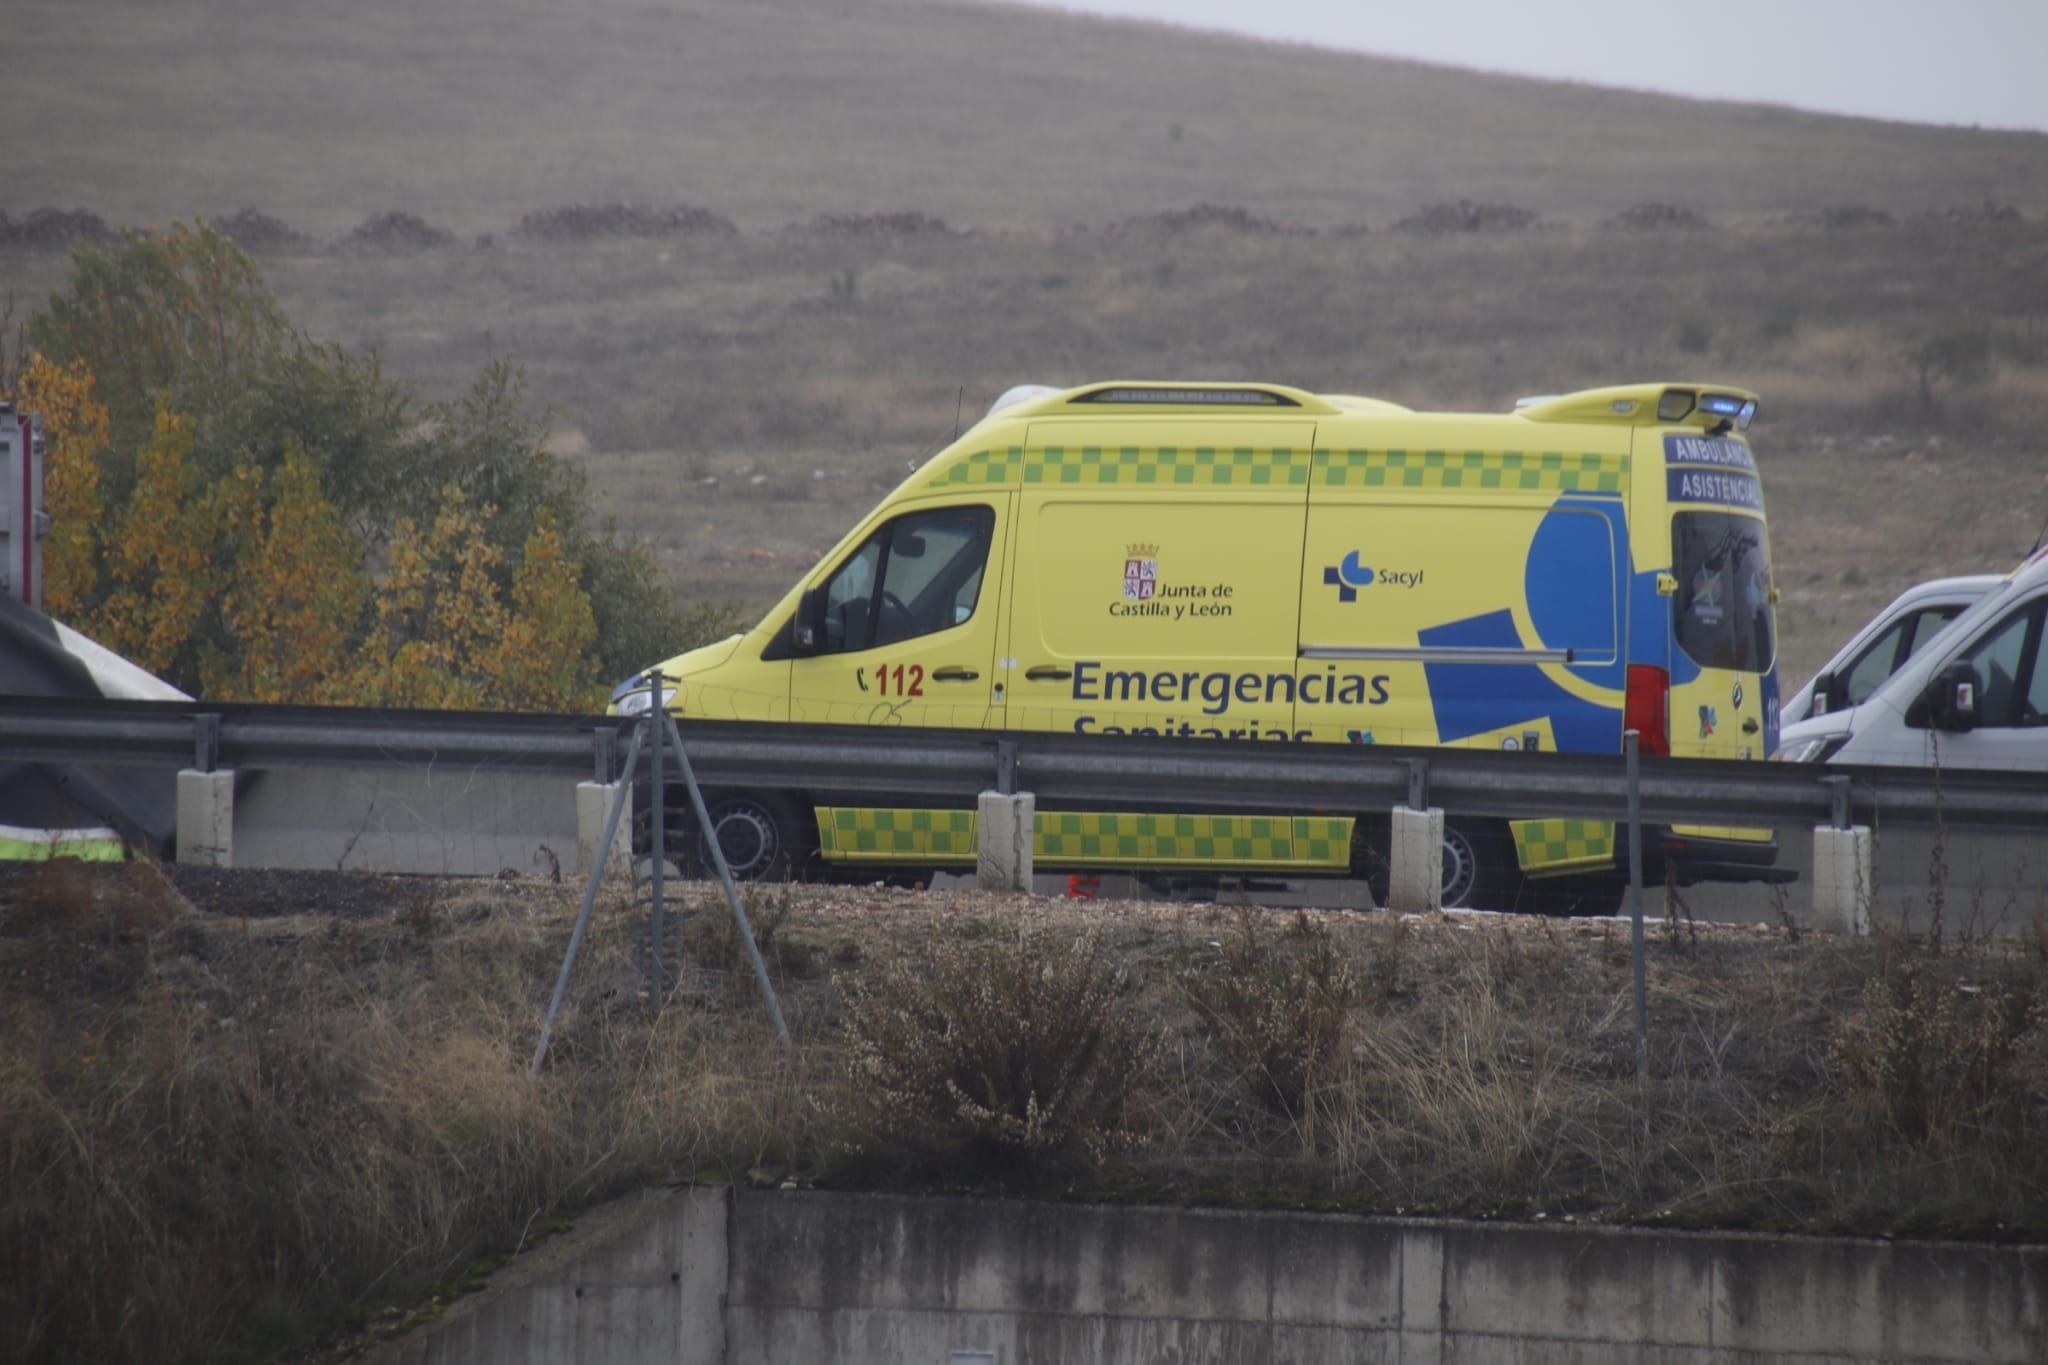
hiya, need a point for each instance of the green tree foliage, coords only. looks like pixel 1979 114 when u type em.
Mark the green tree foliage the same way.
pixel 181 317
pixel 280 519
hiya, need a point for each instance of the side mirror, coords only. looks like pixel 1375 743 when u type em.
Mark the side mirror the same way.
pixel 1952 698
pixel 807 631
pixel 1825 698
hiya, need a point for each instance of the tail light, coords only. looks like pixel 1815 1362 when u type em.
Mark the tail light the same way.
pixel 1647 709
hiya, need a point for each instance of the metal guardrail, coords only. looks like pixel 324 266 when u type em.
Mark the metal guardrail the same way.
pixel 1061 770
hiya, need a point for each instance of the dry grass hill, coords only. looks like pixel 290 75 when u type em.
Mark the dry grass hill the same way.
pixel 472 112
pixel 861 221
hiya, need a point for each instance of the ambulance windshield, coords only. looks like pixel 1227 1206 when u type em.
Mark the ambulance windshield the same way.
pixel 1723 609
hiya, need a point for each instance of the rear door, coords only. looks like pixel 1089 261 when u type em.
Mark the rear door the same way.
pixel 1460 616
pixel 1724 630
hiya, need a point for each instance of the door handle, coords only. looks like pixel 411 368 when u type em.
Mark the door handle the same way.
pixel 1749 726
pixel 1048 673
pixel 954 673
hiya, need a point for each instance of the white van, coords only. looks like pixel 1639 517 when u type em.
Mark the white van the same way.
pixel 1892 637
pixel 1977 698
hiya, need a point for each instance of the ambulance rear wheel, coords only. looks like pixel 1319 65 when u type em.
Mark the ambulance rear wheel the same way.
pixel 1479 867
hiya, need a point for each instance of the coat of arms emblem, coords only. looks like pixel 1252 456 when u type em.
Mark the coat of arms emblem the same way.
pixel 1141 572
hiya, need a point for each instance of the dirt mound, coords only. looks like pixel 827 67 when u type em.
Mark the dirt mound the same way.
pixel 395 233
pixel 1194 218
pixel 906 224
pixel 55 229
pixel 584 222
pixel 1844 217
pixel 1655 217
pixel 259 233
pixel 1467 216
pixel 1990 211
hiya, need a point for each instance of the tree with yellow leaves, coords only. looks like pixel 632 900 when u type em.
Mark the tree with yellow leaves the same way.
pixel 158 556
pixel 536 662
pixel 292 590
pixel 256 516
pixel 75 433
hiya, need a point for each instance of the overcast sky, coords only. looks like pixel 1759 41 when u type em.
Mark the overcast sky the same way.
pixel 1923 61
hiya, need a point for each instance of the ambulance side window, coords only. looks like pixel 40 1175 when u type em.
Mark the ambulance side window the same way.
pixel 918 574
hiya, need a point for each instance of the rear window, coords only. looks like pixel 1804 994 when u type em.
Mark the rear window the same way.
pixel 1723 610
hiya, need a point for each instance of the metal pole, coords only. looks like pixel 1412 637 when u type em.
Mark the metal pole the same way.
pixel 732 893
pixel 611 832
pixel 1629 742
pixel 657 803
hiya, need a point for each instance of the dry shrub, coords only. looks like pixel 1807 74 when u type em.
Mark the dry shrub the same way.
pixel 1466 216
pixel 1280 1006
pixel 1846 217
pixel 395 233
pixel 1971 215
pixel 1655 217
pixel 1468 1104
pixel 1007 1044
pixel 1936 1059
pixel 584 222
pixel 1198 217
pixel 218 1135
pixel 258 232
pixel 49 229
pixel 711 939
pixel 906 223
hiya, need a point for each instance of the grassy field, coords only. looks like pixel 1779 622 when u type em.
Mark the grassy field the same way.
pixel 738 400
pixel 472 112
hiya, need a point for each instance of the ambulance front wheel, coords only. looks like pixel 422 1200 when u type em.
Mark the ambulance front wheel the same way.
pixel 763 835
pixel 1479 867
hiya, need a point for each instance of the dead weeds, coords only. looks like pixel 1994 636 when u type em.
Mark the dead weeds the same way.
pixel 176 1071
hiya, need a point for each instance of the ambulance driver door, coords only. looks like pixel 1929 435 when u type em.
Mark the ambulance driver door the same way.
pixel 902 630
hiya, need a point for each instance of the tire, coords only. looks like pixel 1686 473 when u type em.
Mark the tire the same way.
pixel 765 836
pixel 1479 867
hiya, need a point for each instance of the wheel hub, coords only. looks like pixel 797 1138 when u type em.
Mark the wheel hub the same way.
pixel 746 836
pixel 1461 868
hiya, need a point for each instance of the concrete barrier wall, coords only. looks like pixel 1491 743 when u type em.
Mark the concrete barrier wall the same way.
pixel 710 1277
pixel 452 822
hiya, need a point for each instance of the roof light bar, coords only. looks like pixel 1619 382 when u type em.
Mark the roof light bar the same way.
pixel 1165 397
pixel 1720 404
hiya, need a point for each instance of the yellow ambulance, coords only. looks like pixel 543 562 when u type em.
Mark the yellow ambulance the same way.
pixel 1259 563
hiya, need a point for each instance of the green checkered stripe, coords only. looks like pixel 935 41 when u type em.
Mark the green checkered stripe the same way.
pixel 857 834
pixel 1082 838
pixel 1511 470
pixel 1563 845
pixel 1132 466
pixel 1132 840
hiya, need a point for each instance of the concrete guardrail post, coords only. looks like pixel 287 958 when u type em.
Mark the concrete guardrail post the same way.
pixel 1844 885
pixel 593 805
pixel 1415 872
pixel 206 817
pixel 1004 826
